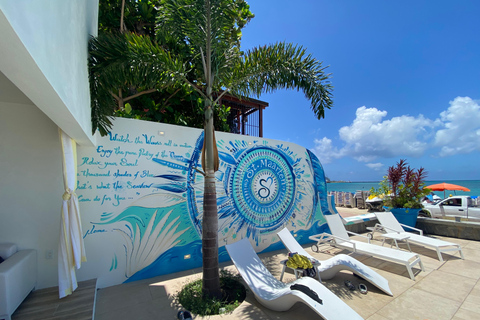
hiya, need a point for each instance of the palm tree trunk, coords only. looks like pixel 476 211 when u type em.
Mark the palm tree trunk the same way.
pixel 211 280
pixel 121 16
pixel 211 277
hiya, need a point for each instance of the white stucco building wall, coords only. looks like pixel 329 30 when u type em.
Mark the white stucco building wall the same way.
pixel 43 86
pixel 44 53
pixel 31 184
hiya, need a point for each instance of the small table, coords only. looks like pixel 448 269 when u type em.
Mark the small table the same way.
pixel 299 271
pixel 394 237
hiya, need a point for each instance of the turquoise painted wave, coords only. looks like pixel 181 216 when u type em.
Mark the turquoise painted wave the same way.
pixel 181 258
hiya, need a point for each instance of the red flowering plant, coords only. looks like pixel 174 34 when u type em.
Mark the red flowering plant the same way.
pixel 403 186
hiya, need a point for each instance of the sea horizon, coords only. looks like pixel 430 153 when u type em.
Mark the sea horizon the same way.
pixel 353 186
pixel 376 181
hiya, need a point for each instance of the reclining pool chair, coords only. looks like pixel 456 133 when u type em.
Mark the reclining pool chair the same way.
pixel 331 204
pixel 389 224
pixel 280 296
pixel 340 239
pixel 330 267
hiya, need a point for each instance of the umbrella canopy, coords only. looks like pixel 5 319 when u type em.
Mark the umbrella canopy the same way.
pixel 446 186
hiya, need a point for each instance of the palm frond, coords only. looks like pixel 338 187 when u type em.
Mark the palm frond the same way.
pixel 198 24
pixel 282 66
pixel 120 61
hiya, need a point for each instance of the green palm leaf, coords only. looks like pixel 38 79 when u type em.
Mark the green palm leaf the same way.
pixel 119 61
pixel 282 66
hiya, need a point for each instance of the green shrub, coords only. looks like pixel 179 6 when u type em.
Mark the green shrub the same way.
pixel 402 187
pixel 192 299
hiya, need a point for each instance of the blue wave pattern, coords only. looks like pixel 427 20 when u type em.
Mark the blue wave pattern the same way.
pixel 319 185
pixel 174 260
pixel 261 188
pixel 149 233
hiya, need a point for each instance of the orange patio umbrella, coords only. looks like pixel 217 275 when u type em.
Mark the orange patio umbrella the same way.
pixel 446 186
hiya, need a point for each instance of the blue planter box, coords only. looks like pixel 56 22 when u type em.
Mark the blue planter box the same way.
pixel 405 215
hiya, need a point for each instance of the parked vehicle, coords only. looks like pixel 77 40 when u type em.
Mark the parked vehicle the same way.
pixel 457 206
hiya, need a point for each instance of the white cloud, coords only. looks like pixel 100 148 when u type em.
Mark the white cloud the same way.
pixel 375 166
pixel 461 133
pixel 369 138
pixel 325 151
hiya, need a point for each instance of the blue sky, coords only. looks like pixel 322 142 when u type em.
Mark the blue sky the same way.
pixel 406 77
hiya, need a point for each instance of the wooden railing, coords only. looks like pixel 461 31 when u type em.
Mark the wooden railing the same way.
pixel 246 115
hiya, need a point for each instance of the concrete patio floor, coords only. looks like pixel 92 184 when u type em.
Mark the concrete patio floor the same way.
pixel 446 290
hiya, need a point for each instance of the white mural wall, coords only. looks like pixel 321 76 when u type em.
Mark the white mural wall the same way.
pixel 141 197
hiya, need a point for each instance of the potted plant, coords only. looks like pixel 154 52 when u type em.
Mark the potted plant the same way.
pixel 403 189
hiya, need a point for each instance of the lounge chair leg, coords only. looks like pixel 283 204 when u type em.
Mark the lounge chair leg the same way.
pixel 410 272
pixel 318 275
pixel 409 267
pixel 439 255
pixel 283 271
pixel 461 253
pixel 297 275
pixel 396 244
pixel 408 245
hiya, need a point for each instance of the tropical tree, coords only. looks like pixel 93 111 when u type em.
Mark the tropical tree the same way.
pixel 136 16
pixel 204 27
pixel 132 98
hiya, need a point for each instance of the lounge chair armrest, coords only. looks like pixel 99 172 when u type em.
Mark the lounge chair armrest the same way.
pixel 415 229
pixel 321 238
pixel 327 237
pixel 390 230
pixel 356 234
pixel 378 228
pixel 349 241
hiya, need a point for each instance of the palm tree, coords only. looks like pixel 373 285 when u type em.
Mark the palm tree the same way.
pixel 214 63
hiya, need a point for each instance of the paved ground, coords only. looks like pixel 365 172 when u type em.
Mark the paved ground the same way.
pixel 349 212
pixel 446 290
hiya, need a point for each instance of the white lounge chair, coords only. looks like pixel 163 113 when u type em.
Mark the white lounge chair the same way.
pixel 340 238
pixel 279 296
pixel 339 199
pixel 331 204
pixel 348 199
pixel 330 267
pixel 360 199
pixel 389 224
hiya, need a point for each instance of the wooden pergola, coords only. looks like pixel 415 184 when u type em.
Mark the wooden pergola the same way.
pixel 246 115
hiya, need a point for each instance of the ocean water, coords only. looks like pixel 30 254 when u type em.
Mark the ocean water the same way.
pixel 473 185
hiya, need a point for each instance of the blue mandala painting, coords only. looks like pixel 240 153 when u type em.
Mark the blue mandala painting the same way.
pixel 262 186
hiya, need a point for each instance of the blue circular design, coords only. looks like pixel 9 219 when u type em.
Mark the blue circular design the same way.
pixel 263 188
